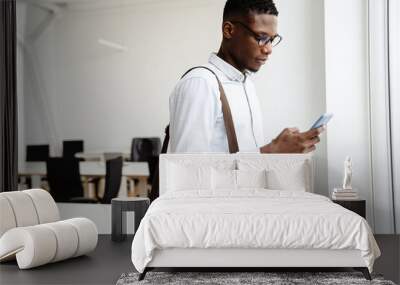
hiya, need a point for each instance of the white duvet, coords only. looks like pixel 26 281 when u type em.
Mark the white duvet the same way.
pixel 250 219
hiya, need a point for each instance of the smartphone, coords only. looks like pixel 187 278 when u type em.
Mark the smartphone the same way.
pixel 323 120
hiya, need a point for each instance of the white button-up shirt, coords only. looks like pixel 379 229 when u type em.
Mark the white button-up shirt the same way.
pixel 196 119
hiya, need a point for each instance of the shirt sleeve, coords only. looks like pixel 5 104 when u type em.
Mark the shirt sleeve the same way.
pixel 193 113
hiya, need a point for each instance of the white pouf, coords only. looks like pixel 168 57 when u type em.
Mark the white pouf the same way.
pixel 31 232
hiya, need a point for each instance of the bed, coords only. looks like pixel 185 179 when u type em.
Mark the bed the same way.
pixel 246 211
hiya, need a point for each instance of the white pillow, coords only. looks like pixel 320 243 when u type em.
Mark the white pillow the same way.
pixel 293 179
pixel 183 177
pixel 282 173
pixel 251 178
pixel 223 179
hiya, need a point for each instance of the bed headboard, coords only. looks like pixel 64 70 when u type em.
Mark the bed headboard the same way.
pixel 285 169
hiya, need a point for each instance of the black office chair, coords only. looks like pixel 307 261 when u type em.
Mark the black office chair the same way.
pixel 146 150
pixel 64 178
pixel 113 179
pixel 71 147
pixel 112 184
pixel 37 152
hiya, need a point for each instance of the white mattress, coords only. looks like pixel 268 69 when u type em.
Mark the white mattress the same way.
pixel 252 218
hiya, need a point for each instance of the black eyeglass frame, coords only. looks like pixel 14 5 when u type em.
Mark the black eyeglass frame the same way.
pixel 261 40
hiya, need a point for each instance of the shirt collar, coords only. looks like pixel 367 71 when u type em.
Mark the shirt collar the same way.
pixel 231 72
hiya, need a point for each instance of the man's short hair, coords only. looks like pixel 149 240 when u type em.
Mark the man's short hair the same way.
pixel 245 7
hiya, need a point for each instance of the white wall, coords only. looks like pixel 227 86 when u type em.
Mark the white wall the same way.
pixel 106 97
pixel 346 60
pixel 100 214
pixel 291 87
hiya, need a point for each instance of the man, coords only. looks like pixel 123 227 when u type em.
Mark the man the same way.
pixel 196 122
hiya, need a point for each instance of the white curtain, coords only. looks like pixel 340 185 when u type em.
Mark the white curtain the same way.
pixel 394 95
pixel 384 104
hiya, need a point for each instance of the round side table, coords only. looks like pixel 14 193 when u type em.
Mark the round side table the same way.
pixel 119 207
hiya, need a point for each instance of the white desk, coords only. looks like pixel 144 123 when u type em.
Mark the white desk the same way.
pixel 89 169
pixel 99 155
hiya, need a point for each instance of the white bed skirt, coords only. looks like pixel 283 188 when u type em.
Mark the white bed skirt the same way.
pixel 179 257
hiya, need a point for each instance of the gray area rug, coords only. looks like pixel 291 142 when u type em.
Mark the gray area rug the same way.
pixel 229 278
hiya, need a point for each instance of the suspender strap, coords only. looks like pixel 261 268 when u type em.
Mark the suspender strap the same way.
pixel 226 111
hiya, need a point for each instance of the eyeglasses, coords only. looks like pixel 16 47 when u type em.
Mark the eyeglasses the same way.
pixel 261 40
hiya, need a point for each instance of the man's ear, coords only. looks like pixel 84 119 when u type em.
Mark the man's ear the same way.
pixel 227 30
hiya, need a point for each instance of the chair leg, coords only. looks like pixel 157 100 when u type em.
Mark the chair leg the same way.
pixel 364 271
pixel 143 274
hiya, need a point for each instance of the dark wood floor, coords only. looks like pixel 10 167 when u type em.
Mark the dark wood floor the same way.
pixel 103 266
pixel 110 260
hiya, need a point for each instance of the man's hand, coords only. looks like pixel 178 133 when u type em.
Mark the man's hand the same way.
pixel 291 140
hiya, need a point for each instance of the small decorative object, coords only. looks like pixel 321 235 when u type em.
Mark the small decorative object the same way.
pixel 346 192
pixel 347 174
